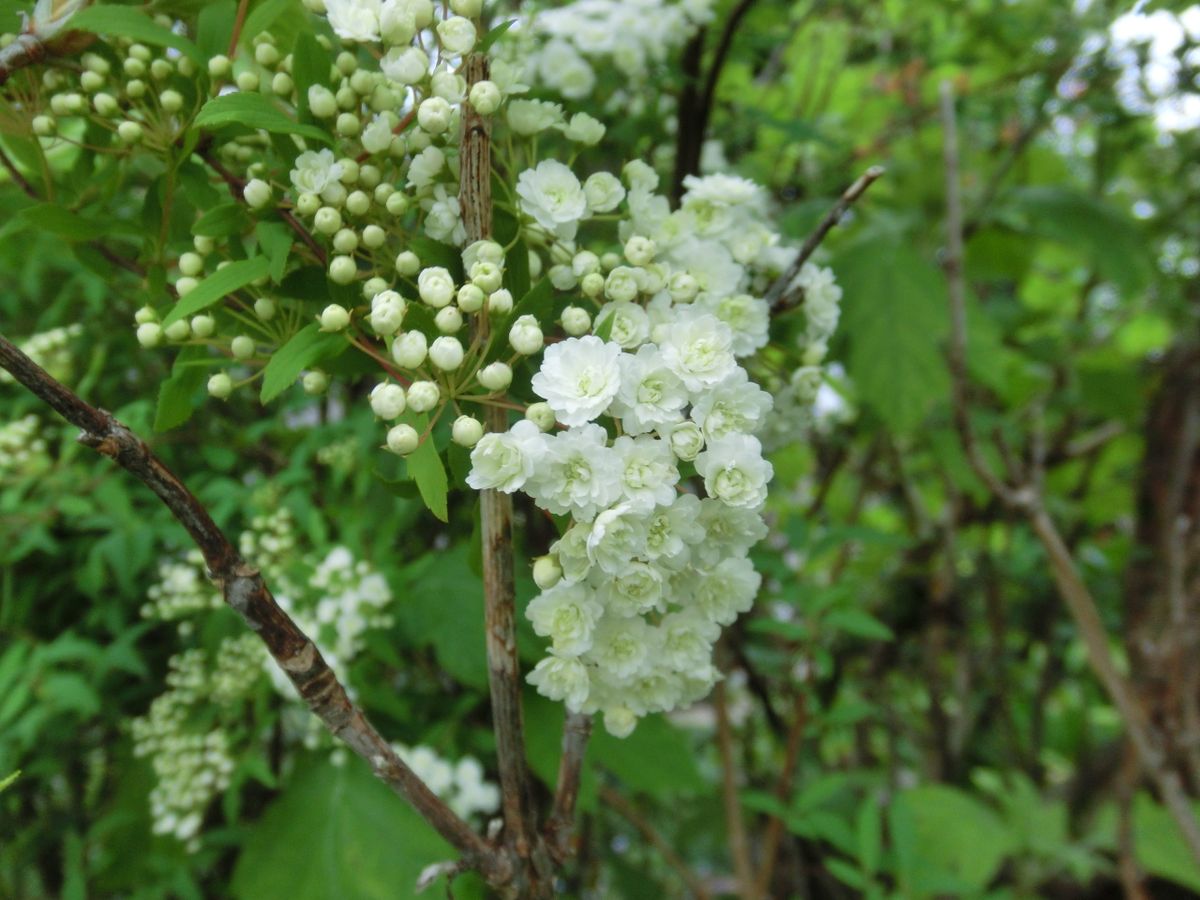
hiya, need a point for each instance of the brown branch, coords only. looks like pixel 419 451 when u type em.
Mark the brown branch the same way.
pixel 559 827
pixel 238 23
pixel 780 297
pixel 534 875
pixel 18 179
pixel 783 791
pixel 739 846
pixel 1026 499
pixel 245 591
pixel 687 138
pixel 630 813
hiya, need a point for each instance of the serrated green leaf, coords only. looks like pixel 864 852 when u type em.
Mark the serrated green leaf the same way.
pixel 369 842
pixel 306 348
pixel 131 23
pixel 310 65
pixel 895 314
pixel 218 285
pixel 264 15
pixel 176 395
pixel 443 606
pixel 275 240
pixel 254 111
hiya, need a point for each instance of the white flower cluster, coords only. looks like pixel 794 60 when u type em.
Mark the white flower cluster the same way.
pixel 192 761
pixel 22 449
pixel 51 350
pixel 637 589
pixel 462 784
pixel 182 591
pixel 634 35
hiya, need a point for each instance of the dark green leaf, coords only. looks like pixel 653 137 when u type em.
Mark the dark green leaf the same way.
pixel 222 221
pixel 127 22
pixel 426 469
pixel 306 348
pixel 254 111
pixel 275 240
pixel 218 285
pixel 177 394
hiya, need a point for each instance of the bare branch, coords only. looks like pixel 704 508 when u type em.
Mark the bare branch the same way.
pixel 577 728
pixel 783 792
pixel 739 846
pixel 780 297
pixel 245 591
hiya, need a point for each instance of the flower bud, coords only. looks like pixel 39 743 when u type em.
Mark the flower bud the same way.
pixel 327 220
pixel 619 721
pixel 396 205
pixel 264 308
pixel 640 250
pixel 410 349
pixel 682 287
pixel 407 263
pixel 387 312
pixel 434 114
pixel 321 101
pixel 219 66
pixel 247 82
pixel 446 353
pixel 485 97
pixel 541 414
pixel 436 286
pixel 402 439
pixel 592 285
pixel 563 278
pixel 266 55
pixel 315 382
pixel 257 193
pixel 170 101
pixel 348 124
pixel 149 334
pixel 470 298
pixel 282 84
pixel 345 241
pixel 547 572
pixel 308 204
pixel 203 326
pixel 457 35
pixel 342 269
pixel 387 400
pixel 220 386
pixel 448 320
pixel 469 8
pixel 500 303
pixel 334 318
pixel 621 284
pixel 466 431
pixel 687 440
pixel 525 336
pixel 373 237
pixel 576 321
pixel 178 330
pixel 44 126
pixel 144 315
pixel 358 203
pixel 242 347
pixel 106 105
pixel 185 285
pixel 496 376
pixel 423 396
pixel 487 276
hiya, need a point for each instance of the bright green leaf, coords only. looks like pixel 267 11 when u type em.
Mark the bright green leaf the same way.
pixel 218 285
pixel 306 348
pixel 254 111
pixel 132 24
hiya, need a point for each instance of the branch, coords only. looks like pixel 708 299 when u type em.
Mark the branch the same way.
pixel 780 297
pixel 739 847
pixel 687 140
pixel 496 512
pixel 18 179
pixel 245 591
pixel 1027 499
pixel 238 23
pixel 577 728
pixel 630 813
pixel 783 791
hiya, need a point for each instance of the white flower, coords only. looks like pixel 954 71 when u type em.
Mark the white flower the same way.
pixel 457 35
pixel 579 378
pixel 315 171
pixel 553 196
pixel 650 395
pixel 749 318
pixel 561 679
pixel 621 647
pixel 406 65
pixel 567 614
pixel 648 475
pixel 354 20
pixel 687 638
pixel 387 400
pixel 727 590
pixel 699 349
pixel 672 530
pixel 636 589
pixel 728 530
pixel 617 536
pixel 563 69
pixel 387 312
pixel 735 405
pixel 579 474
pixel 443 217
pixel 377 136
pixel 734 471
pixel 630 324
pixel 528 117
pixel 397 22
pixel 425 167
pixel 504 461
pixel 604 191
pixel 571 550
pixel 436 286
pixel 583 129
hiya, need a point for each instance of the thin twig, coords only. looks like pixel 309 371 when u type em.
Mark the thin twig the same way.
pixel 496 511
pixel 18 179
pixel 238 23
pixel 739 846
pixel 245 591
pixel 1027 500
pixel 577 728
pixel 780 296
pixel 783 792
pixel 630 813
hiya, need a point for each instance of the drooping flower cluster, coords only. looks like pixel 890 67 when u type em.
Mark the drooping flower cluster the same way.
pixel 22 448
pixel 461 784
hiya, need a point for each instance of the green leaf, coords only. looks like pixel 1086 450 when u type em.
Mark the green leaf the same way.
pixel 426 469
pixel 336 832
pixel 310 65
pixel 8 780
pixel 214 26
pixel 177 394
pixel 1160 848
pixel 254 111
pixel 263 16
pixel 442 605
pixel 494 34
pixel 275 240
pixel 655 759
pixel 435 253
pixel 60 222
pixel 306 348
pixel 1110 238
pixel 218 285
pixel 895 313
pixel 858 623
pixel 127 22
pixel 222 221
